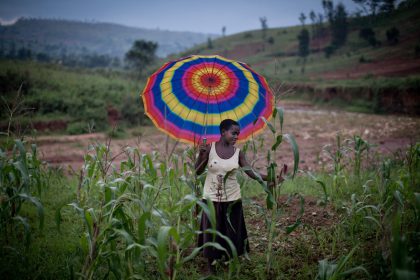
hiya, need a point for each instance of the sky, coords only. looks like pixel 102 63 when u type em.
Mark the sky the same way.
pixel 206 16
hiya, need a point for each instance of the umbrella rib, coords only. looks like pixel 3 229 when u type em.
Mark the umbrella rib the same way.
pixel 218 106
pixel 193 66
pixel 201 93
pixel 195 119
pixel 184 120
pixel 183 98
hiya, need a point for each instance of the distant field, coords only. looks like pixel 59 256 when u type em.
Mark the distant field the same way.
pixel 69 100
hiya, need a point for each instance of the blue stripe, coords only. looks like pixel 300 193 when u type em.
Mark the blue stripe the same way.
pixel 201 106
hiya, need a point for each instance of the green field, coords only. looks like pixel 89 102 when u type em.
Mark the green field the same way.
pixel 82 98
pixel 139 219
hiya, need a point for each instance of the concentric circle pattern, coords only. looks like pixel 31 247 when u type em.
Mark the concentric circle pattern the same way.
pixel 189 97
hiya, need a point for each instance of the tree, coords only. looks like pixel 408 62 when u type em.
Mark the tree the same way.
pixel 302 18
pixel 321 29
pixel 312 16
pixel 369 6
pixel 388 6
pixel 393 36
pixel 223 31
pixel 328 7
pixel 339 26
pixel 303 38
pixel 368 34
pixel 141 54
pixel 264 26
pixel 209 43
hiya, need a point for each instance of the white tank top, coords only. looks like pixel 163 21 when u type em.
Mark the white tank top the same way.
pixel 214 187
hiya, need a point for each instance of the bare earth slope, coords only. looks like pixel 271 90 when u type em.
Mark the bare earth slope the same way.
pixel 312 127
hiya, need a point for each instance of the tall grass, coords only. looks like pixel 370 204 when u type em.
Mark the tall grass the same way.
pixel 138 219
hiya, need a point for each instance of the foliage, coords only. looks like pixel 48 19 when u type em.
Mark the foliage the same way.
pixel 138 219
pixel 50 37
pixel 141 54
pixel 368 34
pixel 264 26
pixel 78 98
pixel 303 38
pixel 339 27
pixel 393 35
pixel 209 43
pixel 21 175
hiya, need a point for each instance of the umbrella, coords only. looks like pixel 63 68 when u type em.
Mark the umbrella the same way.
pixel 189 97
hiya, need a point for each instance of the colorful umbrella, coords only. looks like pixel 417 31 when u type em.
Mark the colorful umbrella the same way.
pixel 189 97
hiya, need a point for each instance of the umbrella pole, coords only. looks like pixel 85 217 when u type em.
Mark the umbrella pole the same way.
pixel 207 113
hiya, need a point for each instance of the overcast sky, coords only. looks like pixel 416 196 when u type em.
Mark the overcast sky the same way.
pixel 208 16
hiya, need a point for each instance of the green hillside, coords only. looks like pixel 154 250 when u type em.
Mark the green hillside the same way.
pixel 57 37
pixel 357 76
pixel 356 69
pixel 48 97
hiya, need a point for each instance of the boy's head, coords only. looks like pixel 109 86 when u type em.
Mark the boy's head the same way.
pixel 227 124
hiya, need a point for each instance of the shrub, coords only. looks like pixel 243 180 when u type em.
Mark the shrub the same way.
pixel 393 36
pixel 368 34
pixel 77 128
pixel 270 40
pixel 417 50
pixel 329 50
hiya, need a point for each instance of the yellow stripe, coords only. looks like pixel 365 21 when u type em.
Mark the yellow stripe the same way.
pixel 196 82
pixel 212 119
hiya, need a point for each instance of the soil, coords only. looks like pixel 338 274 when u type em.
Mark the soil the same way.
pixel 313 129
pixel 397 67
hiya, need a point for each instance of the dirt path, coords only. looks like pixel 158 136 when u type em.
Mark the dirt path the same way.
pixel 313 128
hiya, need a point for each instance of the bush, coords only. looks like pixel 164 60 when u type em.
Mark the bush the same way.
pixel 116 133
pixel 329 50
pixel 132 110
pixel 417 50
pixel 77 128
pixel 368 34
pixel 393 36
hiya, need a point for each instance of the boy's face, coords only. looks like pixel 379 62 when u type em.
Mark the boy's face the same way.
pixel 231 135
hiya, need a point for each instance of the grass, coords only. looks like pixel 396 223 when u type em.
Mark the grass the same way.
pixel 81 98
pixel 78 97
pixel 60 253
pixel 279 63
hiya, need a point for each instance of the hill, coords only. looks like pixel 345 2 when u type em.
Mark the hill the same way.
pixel 51 97
pixel 384 77
pixel 57 37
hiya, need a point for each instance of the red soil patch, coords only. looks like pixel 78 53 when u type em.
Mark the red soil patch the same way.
pixel 244 50
pixel 386 68
pixel 312 128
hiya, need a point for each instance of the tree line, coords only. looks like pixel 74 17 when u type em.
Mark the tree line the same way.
pixel 334 22
pixel 141 54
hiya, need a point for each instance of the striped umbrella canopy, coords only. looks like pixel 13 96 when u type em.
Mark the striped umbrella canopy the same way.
pixel 189 97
